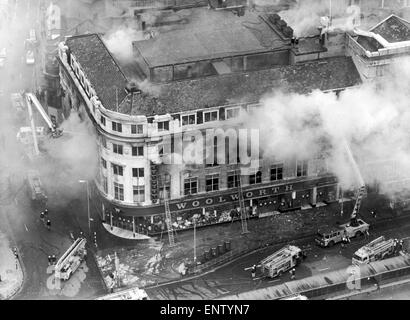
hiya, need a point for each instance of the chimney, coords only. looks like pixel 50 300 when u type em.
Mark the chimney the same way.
pixel 132 87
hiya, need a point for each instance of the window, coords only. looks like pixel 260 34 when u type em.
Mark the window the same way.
pixel 138 172
pixel 212 182
pixel 232 113
pixel 136 129
pixel 255 177
pixel 190 186
pixel 210 116
pixel 119 191
pixel 188 119
pixel 233 179
pixel 276 172
pixel 301 168
pixel 116 126
pixel 104 142
pixel 252 108
pixel 104 163
pixel 117 148
pixel 164 185
pixel 105 184
pixel 138 194
pixel 102 120
pixel 138 151
pixel 117 170
pixel 163 125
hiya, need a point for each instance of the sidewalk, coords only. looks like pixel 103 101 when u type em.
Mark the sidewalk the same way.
pixel 155 262
pixel 10 270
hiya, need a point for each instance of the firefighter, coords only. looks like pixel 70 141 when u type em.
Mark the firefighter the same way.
pixel 401 244
pixel 292 274
pixel 373 212
pixel 48 223
pixel 53 259
pixel 46 212
pixel 16 255
pixel 49 260
pixel 42 215
pixel 253 271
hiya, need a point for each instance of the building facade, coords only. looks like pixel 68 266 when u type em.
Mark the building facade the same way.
pixel 187 81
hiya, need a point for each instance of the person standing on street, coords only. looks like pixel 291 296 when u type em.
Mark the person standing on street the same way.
pixel 253 271
pixel 48 224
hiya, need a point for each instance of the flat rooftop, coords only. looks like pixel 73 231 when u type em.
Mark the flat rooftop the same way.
pixel 179 96
pixel 205 34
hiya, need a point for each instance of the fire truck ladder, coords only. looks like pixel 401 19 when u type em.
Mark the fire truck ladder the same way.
pixel 244 215
pixel 359 197
pixel 168 219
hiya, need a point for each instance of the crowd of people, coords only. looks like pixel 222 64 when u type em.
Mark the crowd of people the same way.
pixel 186 220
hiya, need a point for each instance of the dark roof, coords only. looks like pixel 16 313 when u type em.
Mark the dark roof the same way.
pixel 325 74
pixel 100 68
pixel 393 29
pixel 369 43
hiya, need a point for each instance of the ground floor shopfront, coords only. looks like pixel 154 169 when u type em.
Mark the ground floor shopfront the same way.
pixel 220 207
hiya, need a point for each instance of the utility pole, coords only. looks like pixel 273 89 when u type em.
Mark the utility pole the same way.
pixel 88 205
pixel 194 240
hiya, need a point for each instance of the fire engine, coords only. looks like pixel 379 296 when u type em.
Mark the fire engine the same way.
pixel 328 237
pixel 378 249
pixel 356 227
pixel 35 188
pixel 281 261
pixel 71 260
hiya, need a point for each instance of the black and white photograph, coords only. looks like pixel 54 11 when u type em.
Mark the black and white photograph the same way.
pixel 201 156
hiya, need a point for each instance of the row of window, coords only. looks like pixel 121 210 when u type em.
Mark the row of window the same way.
pixel 212 180
pixel 136 151
pixel 137 191
pixel 188 119
pixel 117 126
pixel 119 170
pixel 191 184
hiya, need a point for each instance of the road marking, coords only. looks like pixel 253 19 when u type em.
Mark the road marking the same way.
pixel 254 279
pixel 323 269
pixel 26 227
pixel 274 280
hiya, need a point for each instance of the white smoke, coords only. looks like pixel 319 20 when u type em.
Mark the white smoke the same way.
pixel 304 17
pixel 373 118
pixel 119 42
pixel 76 150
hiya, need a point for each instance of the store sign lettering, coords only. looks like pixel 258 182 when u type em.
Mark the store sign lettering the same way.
pixel 230 197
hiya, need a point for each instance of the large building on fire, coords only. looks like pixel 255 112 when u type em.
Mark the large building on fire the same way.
pixel 204 69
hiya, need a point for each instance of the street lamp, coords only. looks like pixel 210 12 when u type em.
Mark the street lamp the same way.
pixel 88 204
pixel 194 240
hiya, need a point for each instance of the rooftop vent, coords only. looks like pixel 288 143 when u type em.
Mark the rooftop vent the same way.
pixel 132 87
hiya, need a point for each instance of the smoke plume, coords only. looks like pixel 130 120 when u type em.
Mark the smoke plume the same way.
pixel 373 118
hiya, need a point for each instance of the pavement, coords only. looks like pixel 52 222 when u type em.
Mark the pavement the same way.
pixel 11 274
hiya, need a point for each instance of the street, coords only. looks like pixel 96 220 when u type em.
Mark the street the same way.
pixel 232 278
pixel 21 220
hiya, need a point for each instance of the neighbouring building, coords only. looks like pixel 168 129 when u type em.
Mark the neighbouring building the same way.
pixel 208 71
